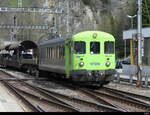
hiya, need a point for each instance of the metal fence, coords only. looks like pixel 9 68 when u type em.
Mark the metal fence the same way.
pixel 129 74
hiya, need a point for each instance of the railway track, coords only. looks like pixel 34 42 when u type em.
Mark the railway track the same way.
pixel 80 102
pixel 105 99
pixel 124 101
pixel 31 106
pixel 38 102
pixel 129 95
pixel 38 96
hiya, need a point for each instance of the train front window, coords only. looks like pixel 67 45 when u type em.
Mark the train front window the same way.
pixel 95 48
pixel 109 47
pixel 80 47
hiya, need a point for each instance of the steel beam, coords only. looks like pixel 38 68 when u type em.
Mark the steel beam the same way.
pixel 32 27
pixel 30 10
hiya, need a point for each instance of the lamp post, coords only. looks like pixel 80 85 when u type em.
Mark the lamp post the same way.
pixel 132 17
pixel 131 41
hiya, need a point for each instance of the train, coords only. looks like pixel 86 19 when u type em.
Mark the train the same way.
pixel 20 55
pixel 86 57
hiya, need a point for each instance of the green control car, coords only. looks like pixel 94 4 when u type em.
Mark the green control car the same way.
pixel 87 57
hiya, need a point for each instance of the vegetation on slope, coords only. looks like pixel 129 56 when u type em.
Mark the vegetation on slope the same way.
pixel 146 13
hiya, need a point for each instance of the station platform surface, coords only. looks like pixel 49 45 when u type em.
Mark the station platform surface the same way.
pixel 123 76
pixel 8 102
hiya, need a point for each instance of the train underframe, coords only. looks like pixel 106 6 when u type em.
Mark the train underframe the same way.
pixel 30 69
pixel 93 77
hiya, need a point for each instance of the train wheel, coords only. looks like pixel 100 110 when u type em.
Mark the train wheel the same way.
pixel 37 75
pixel 33 71
pixel 4 66
pixel 41 73
pixel 29 70
pixel 100 84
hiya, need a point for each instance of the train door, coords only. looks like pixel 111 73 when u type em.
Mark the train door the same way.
pixel 68 58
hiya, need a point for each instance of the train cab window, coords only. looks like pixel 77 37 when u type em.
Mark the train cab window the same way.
pixel 109 47
pixel 95 47
pixel 80 47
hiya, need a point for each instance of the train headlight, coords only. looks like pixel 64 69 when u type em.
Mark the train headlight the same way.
pixel 108 64
pixel 81 64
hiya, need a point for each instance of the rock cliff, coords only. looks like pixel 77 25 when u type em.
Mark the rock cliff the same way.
pixel 104 15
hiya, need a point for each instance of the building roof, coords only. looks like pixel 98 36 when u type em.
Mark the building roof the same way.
pixel 130 34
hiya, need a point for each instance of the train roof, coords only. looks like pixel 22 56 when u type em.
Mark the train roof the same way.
pixel 14 46
pixel 24 44
pixel 85 34
pixel 100 34
pixel 53 41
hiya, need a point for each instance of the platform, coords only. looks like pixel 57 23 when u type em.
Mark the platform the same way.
pixel 8 102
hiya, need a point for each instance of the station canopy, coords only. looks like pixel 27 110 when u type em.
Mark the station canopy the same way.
pixel 132 34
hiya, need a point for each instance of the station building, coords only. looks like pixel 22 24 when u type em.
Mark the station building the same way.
pixel 131 35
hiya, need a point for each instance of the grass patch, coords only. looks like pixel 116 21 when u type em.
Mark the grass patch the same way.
pixel 13 3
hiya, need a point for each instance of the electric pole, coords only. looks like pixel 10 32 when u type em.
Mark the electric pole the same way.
pixel 14 30
pixel 131 41
pixel 68 18
pixel 139 36
pixel 19 3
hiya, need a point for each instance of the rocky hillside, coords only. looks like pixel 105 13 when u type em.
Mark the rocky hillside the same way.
pixel 105 15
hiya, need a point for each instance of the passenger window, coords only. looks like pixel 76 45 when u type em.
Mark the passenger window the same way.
pixel 95 47
pixel 62 51
pixel 80 47
pixel 109 47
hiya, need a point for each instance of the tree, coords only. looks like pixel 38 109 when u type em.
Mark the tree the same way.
pixel 146 13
